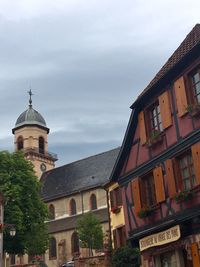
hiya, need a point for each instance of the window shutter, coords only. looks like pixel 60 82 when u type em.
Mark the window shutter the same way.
pixel 124 236
pixel 181 98
pixel 136 194
pixel 165 109
pixel 142 128
pixel 118 196
pixel 112 199
pixel 115 238
pixel 171 183
pixel 196 161
pixel 159 184
pixel 195 255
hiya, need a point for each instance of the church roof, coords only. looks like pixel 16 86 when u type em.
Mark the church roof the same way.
pixel 78 176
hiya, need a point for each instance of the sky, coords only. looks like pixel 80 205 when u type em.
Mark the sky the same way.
pixel 86 62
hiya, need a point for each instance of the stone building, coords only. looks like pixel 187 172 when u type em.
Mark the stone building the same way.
pixel 69 190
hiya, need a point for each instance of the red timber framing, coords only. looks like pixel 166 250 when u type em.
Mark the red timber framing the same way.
pixel 169 156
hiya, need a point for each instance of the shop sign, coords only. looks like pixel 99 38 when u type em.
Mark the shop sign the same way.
pixel 161 238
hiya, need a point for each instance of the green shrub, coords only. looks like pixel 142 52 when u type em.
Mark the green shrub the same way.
pixel 126 257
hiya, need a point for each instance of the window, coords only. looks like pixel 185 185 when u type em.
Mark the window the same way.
pixel 41 145
pixel 12 259
pixel 51 212
pixel 75 243
pixel 195 82
pixel 119 237
pixel 115 198
pixel 93 202
pixel 52 248
pixel 147 189
pixel 72 207
pixel 155 118
pixel 186 170
pixel 20 143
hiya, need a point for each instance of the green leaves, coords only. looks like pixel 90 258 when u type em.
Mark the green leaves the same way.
pixel 23 206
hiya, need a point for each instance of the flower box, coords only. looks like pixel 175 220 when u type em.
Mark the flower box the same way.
pixel 193 109
pixel 154 138
pixel 145 212
pixel 183 196
pixel 116 209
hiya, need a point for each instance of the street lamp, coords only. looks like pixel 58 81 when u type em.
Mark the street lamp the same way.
pixel 2 227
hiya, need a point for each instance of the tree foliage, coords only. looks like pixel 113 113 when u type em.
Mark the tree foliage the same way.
pixel 126 256
pixel 90 232
pixel 23 206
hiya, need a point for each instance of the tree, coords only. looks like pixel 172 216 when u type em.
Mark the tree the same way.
pixel 23 206
pixel 126 256
pixel 90 232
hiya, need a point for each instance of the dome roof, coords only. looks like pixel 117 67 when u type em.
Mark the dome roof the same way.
pixel 30 116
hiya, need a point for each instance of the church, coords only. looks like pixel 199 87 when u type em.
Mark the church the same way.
pixel 69 190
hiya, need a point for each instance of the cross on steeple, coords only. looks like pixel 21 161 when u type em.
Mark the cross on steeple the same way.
pixel 30 99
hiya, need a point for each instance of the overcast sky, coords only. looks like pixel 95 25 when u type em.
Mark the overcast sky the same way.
pixel 86 61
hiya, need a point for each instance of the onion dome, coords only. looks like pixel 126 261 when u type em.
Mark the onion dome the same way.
pixel 30 117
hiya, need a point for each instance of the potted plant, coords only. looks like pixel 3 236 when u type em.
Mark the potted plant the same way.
pixel 183 196
pixel 193 109
pixel 145 212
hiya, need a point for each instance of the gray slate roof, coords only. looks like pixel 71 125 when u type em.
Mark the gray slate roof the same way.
pixel 30 116
pixel 70 223
pixel 78 176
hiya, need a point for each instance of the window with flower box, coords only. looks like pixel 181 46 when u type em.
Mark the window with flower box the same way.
pixel 155 119
pixel 115 200
pixel 195 83
pixel 187 179
pixel 187 91
pixel 148 190
pixel 183 172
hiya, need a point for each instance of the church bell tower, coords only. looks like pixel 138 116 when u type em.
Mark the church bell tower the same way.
pixel 31 136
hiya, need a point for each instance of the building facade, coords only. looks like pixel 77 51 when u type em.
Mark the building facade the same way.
pixel 158 167
pixel 70 191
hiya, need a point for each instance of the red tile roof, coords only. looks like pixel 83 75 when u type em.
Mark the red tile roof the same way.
pixel 191 40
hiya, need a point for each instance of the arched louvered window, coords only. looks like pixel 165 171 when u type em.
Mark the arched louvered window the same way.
pixel 51 212
pixel 75 243
pixel 52 248
pixel 93 202
pixel 20 143
pixel 72 207
pixel 41 145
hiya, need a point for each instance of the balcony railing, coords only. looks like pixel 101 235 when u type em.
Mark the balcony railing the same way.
pixel 41 152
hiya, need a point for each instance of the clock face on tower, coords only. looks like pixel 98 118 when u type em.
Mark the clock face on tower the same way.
pixel 43 167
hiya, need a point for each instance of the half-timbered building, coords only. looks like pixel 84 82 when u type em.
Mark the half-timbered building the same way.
pixel 158 167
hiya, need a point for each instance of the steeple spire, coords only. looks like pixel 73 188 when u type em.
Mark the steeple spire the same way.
pixel 30 99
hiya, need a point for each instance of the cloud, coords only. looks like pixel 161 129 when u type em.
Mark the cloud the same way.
pixel 86 62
